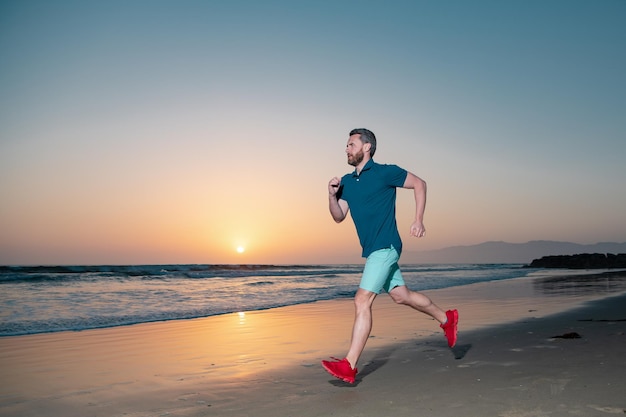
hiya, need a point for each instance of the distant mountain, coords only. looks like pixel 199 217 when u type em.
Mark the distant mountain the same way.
pixel 503 252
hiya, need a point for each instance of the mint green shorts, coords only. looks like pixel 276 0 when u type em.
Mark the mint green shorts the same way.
pixel 381 271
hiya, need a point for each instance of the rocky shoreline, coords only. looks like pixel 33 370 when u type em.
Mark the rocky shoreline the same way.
pixel 581 261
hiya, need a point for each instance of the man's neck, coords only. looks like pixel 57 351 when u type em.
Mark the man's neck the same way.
pixel 360 167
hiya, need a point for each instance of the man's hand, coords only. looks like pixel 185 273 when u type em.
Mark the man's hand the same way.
pixel 338 208
pixel 418 229
pixel 333 186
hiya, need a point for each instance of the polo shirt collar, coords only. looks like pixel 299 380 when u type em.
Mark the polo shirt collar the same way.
pixel 368 165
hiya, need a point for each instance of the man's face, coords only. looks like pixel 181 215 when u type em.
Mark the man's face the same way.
pixel 354 150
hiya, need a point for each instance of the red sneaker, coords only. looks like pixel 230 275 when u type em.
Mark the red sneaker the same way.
pixel 340 368
pixel 449 328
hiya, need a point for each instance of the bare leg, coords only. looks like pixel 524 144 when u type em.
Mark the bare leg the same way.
pixel 417 301
pixel 363 301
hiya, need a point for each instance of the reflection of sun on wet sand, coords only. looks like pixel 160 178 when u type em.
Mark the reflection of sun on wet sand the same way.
pixel 514 358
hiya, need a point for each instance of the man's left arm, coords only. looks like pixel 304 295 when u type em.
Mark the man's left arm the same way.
pixel 418 186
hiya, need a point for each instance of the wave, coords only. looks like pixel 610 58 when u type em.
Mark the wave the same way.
pixel 192 271
pixel 254 284
pixel 81 323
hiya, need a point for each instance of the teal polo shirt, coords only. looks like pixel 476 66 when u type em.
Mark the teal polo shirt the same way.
pixel 371 197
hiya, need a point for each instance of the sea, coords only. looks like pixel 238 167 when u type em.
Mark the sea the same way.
pixel 42 299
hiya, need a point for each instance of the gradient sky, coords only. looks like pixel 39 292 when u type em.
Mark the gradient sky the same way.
pixel 174 131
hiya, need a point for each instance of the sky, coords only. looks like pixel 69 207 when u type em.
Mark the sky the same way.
pixel 160 132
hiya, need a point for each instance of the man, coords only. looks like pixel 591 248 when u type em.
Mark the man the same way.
pixel 369 193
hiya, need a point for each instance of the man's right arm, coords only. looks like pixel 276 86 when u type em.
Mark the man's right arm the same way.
pixel 338 207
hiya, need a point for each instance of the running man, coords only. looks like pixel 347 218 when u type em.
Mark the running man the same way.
pixel 369 193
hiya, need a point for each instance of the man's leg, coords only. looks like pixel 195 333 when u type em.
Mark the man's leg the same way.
pixel 448 319
pixel 417 301
pixel 376 271
pixel 362 327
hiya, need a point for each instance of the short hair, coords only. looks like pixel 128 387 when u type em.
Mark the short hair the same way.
pixel 367 136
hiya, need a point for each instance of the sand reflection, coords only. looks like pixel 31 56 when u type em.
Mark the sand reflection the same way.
pixel 582 284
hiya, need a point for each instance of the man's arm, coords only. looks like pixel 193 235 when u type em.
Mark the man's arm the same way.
pixel 338 208
pixel 418 186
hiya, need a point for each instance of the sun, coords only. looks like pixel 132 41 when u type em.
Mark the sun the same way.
pixel 240 249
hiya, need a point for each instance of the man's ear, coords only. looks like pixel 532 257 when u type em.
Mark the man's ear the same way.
pixel 367 147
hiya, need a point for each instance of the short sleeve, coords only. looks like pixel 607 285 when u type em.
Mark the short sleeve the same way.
pixel 395 176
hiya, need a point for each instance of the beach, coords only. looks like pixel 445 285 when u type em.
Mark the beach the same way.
pixel 532 346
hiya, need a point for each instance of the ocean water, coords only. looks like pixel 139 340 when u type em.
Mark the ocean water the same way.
pixel 60 298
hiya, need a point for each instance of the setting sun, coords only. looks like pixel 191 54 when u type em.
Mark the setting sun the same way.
pixel 241 249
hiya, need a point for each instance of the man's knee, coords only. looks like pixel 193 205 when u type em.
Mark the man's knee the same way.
pixel 400 295
pixel 364 298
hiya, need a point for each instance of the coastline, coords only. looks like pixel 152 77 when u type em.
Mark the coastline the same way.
pixel 266 363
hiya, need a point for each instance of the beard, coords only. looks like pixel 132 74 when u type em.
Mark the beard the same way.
pixel 356 159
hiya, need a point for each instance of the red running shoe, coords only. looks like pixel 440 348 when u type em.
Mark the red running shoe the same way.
pixel 340 368
pixel 449 328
